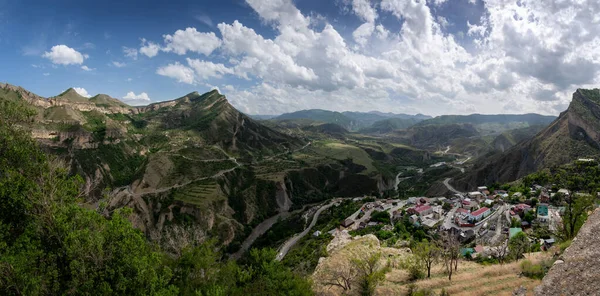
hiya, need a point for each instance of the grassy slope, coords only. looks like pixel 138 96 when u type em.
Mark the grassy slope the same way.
pixel 471 279
pixel 341 151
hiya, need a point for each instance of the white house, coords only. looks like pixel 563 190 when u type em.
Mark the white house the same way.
pixel 475 194
pixel 480 214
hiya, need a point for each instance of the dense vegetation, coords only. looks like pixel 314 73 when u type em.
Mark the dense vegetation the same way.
pixel 49 245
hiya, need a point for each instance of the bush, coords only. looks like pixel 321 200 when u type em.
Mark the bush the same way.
pixel 535 271
pixel 413 266
pixel 413 290
pixel 564 245
pixel 383 217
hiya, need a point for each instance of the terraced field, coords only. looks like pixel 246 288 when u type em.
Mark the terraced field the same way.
pixel 199 193
pixel 470 280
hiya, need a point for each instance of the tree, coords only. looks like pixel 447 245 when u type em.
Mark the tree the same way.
pixel 529 217
pixel 428 254
pixel 383 217
pixel 414 266
pixel 514 223
pixel 518 245
pixel 49 245
pixel 266 276
pixel 501 251
pixel 371 272
pixel 446 206
pixel 450 252
pixel 576 212
pixel 343 276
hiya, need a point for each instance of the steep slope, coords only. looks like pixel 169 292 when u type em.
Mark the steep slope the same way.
pixel 434 137
pixel 576 271
pixel 191 168
pixel 511 137
pixel 574 134
pixel 71 95
pixel 217 122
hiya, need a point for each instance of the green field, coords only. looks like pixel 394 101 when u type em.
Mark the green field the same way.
pixel 341 151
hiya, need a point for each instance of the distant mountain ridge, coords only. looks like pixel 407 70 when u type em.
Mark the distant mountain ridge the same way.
pixel 352 121
pixel 574 134
pixel 530 118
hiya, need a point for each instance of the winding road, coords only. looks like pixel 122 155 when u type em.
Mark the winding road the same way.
pixel 285 248
pixel 447 184
pixel 259 230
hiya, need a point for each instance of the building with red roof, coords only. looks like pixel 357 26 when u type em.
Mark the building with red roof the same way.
pixel 420 210
pixel 480 214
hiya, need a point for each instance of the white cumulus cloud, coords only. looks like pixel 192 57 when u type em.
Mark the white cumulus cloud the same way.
pixel 364 10
pixel 191 40
pixel 177 71
pixel 86 68
pixel 149 49
pixel 64 55
pixel 132 98
pixel 82 92
pixel 519 56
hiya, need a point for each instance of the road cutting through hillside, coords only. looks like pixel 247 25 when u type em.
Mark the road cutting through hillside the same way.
pixel 285 248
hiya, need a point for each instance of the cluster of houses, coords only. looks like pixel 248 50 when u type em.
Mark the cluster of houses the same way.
pixel 469 210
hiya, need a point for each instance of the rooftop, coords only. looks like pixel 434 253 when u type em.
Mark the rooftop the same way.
pixel 480 211
pixel 422 208
pixel 514 231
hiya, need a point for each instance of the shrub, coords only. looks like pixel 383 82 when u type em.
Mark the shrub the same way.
pixel 536 271
pixel 413 266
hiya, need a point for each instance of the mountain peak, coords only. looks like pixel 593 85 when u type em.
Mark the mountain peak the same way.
pixel 72 95
pixel 107 101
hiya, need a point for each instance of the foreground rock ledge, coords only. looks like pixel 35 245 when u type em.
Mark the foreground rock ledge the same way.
pixel 579 271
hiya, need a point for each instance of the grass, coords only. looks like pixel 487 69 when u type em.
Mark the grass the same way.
pixel 471 279
pixel 341 151
pixel 61 113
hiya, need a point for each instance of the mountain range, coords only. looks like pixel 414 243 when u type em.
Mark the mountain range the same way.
pixel 196 158
pixel 573 135
pixel 197 165
pixel 352 121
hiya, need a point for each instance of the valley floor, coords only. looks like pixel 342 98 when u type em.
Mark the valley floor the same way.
pixel 471 279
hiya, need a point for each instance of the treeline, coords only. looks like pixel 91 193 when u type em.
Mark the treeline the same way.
pixel 50 245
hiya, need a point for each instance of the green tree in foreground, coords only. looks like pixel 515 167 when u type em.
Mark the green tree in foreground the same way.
pixel 518 245
pixel 576 213
pixel 428 253
pixel 49 245
pixel 371 272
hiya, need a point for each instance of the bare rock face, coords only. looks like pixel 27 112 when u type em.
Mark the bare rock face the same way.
pixel 578 274
pixel 521 291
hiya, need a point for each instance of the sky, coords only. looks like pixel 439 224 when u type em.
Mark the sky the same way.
pixel 275 56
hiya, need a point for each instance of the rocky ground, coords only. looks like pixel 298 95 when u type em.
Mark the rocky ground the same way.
pixel 576 271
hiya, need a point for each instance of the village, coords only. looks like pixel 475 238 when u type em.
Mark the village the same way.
pixel 481 219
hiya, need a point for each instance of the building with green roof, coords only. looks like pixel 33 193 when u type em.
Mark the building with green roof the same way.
pixel 513 231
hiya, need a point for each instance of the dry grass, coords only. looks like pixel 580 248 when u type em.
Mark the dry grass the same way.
pixel 471 279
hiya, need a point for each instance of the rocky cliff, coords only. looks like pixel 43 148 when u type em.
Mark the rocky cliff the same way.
pixel 576 271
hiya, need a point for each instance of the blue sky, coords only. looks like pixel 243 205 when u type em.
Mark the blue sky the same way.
pixel 274 56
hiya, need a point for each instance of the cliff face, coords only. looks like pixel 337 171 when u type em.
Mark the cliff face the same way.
pixel 574 134
pixel 576 271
